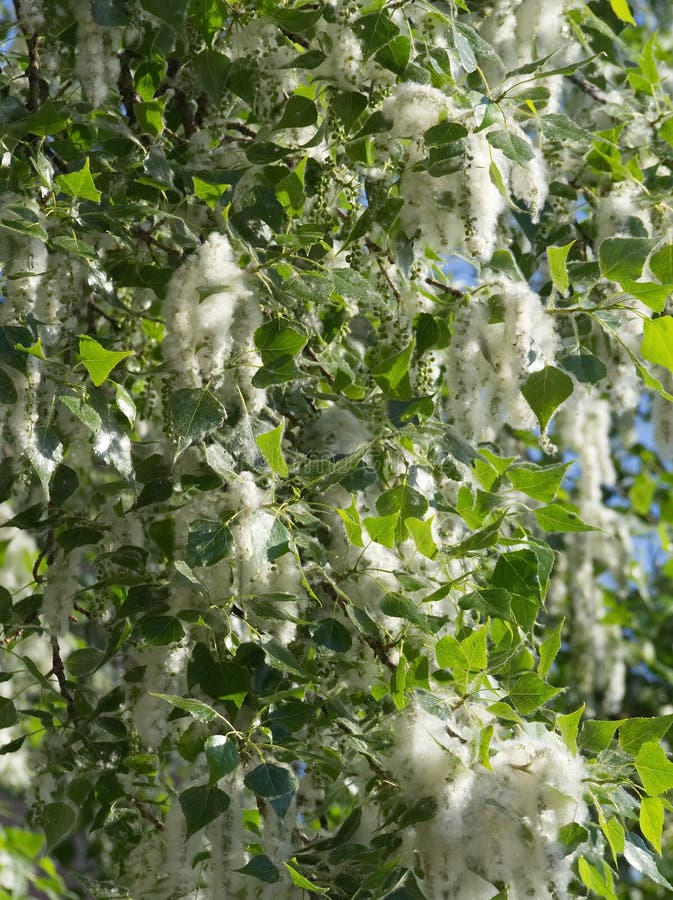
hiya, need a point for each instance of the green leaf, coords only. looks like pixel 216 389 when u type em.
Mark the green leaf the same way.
pixel 279 339
pixel 98 361
pixel 201 805
pixel 637 731
pixel 654 768
pixel 651 820
pixel 83 662
pixel 7 390
pixel 622 259
pixel 639 857
pixel 596 734
pixel 397 606
pixel 79 184
pixel 298 880
pixel 587 368
pixel 161 630
pixel 513 146
pixel 621 9
pixel 270 445
pixel 374 30
pixel 349 106
pixel 110 13
pixel 269 781
pixel 46 121
pixel 195 412
pixel 261 868
pixel 661 264
pixel 78 536
pixel 557 127
pixel 421 534
pixel 381 529
pixel 601 885
pixel 568 725
pixel 208 542
pixel 529 692
pixel 657 345
pixel 549 649
pixel 539 482
pixel 571 836
pixel 555 517
pixel 8 714
pixel 299 112
pixel 221 755
pixel 392 374
pixel 351 519
pixel 651 294
pixel 557 258
pixel 332 634
pixel 545 391
pixel 196 709
pixel 150 116
pixel 57 820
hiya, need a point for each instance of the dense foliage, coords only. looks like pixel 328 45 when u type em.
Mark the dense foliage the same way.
pixel 336 384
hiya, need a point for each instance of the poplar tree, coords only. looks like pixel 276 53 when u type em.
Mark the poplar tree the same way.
pixel 336 409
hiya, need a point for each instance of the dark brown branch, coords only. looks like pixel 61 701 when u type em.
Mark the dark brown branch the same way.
pixel 126 86
pixel 33 73
pixel 59 672
pixel 158 824
pixel 445 288
pixel 241 128
pixel 588 88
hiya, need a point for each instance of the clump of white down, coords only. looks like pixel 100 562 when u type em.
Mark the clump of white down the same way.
pixel 487 363
pixel 96 62
pixel 491 825
pixel 584 426
pixel 524 30
pixel 448 211
pixel 210 316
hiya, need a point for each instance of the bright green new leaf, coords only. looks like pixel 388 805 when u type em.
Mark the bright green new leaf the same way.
pixel 555 517
pixel 549 649
pixel 79 184
pixel 270 445
pixel 98 361
pixel 545 391
pixel 421 534
pixel 621 9
pixel 640 730
pixel 529 692
pixel 539 482
pixel 351 519
pixel 568 725
pixel 651 820
pixel 600 884
pixel 661 263
pixel 654 768
pixel 657 345
pixel 558 269
pixel 298 880
pixel 381 529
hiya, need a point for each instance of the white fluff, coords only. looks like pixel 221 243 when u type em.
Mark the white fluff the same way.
pixel 201 333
